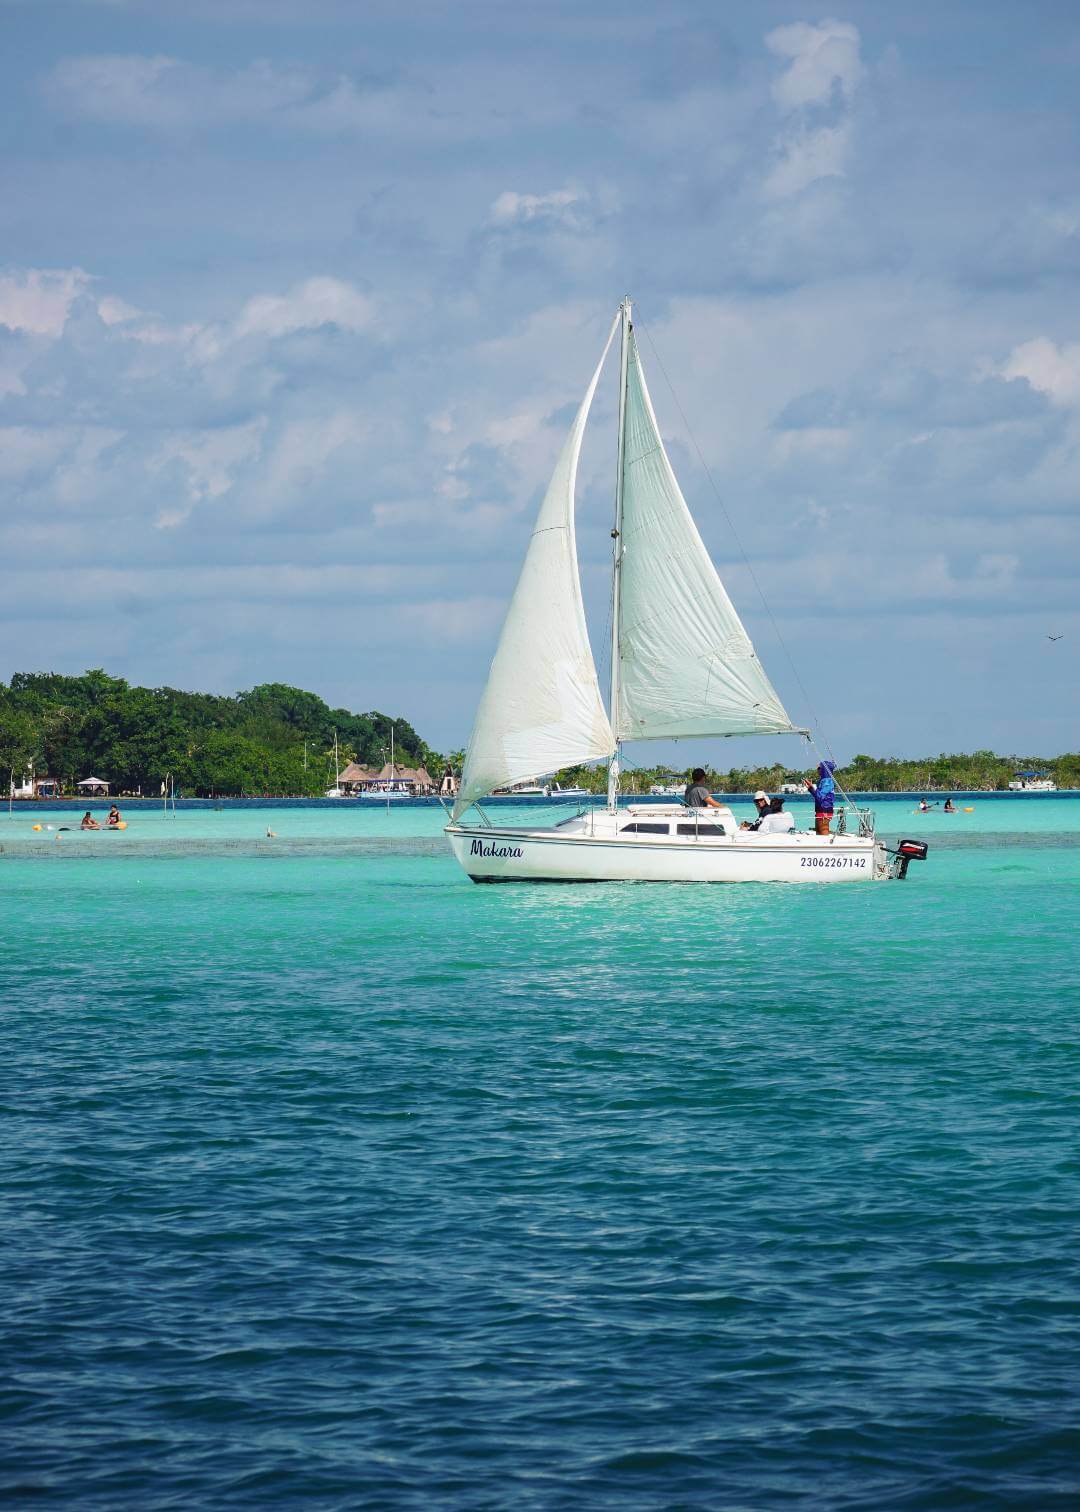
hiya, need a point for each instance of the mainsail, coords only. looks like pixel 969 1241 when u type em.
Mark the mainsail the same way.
pixel 541 708
pixel 686 665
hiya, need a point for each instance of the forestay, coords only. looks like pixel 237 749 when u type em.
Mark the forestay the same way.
pixel 686 665
pixel 541 708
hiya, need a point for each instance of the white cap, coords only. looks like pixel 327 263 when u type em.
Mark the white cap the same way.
pixel 760 794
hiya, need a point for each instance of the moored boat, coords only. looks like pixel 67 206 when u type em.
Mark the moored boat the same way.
pixel 1032 782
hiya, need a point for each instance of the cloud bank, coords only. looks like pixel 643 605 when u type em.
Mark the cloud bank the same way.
pixel 295 319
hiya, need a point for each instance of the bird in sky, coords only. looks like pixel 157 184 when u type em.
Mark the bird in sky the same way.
pixel 1053 637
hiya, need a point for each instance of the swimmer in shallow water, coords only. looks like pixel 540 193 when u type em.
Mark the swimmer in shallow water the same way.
pixel 950 807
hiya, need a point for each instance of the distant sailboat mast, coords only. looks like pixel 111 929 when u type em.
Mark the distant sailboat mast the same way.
pixel 616 559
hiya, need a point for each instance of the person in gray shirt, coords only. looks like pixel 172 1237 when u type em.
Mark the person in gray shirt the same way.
pixel 697 794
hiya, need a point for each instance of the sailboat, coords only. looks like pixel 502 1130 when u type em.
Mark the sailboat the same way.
pixel 336 791
pixel 682 666
pixel 388 789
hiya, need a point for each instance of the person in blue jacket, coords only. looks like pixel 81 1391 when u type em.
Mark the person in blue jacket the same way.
pixel 823 791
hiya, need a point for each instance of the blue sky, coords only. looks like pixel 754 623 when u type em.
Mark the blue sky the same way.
pixel 297 298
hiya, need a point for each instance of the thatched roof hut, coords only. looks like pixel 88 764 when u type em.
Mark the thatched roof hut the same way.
pixel 355 775
pixel 418 778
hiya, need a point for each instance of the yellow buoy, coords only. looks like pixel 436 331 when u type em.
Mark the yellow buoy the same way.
pixel 35 826
pixel 122 824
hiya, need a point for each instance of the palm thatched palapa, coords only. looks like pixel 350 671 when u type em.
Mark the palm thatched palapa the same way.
pixel 417 778
pixel 354 777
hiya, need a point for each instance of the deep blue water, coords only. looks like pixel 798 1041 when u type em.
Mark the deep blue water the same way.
pixel 332 1181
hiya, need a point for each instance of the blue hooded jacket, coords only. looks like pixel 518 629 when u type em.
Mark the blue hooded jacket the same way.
pixel 826 787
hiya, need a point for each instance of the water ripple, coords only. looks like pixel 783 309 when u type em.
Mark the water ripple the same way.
pixel 336 1183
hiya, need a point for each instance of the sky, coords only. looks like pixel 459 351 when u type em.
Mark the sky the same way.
pixel 298 298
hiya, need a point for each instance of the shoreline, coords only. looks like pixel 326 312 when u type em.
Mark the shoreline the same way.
pixel 143 805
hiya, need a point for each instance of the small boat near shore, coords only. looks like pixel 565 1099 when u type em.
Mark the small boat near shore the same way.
pixel 550 789
pixel 1032 782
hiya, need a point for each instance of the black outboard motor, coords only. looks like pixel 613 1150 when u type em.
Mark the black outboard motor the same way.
pixel 906 852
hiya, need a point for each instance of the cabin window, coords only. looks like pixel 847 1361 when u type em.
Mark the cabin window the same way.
pixel 645 829
pixel 702 829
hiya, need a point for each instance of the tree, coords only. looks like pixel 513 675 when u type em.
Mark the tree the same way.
pixel 135 737
pixel 20 745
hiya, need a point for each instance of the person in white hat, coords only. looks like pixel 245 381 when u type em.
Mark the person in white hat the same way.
pixel 761 801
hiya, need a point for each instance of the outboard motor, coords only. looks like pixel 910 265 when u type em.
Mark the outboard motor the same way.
pixel 906 852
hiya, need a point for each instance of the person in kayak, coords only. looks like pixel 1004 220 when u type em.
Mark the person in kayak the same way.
pixel 89 822
pixel 823 792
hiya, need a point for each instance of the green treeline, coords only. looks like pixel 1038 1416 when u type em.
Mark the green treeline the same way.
pixel 279 740
pixel 883 774
pixel 271 740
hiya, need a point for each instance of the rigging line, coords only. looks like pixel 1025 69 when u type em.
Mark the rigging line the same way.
pixel 735 535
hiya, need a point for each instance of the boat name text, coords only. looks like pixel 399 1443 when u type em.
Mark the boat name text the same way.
pixel 480 849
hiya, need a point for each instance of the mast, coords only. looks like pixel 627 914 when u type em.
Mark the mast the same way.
pixel 616 560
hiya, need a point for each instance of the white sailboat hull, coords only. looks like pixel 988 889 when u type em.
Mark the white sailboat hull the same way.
pixel 594 848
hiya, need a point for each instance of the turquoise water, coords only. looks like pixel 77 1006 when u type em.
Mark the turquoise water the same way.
pixel 333 1181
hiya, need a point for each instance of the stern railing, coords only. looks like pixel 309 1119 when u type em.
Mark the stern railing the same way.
pixel 850 819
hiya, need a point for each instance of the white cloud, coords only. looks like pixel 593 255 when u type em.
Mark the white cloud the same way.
pixel 806 156
pixel 114 87
pixel 824 442
pixel 167 93
pixel 211 458
pixel 1052 370
pixel 307 306
pixel 24 449
pixel 28 449
pixel 317 302
pixel 824 59
pixel 452 621
pixel 562 207
pixel 39 299
pixel 521 425
pixel 302 451
pixel 115 311
pixel 96 589
pixel 820 81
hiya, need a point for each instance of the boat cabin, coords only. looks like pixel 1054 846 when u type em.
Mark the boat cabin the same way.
pixel 1032 782
pixel 656 821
